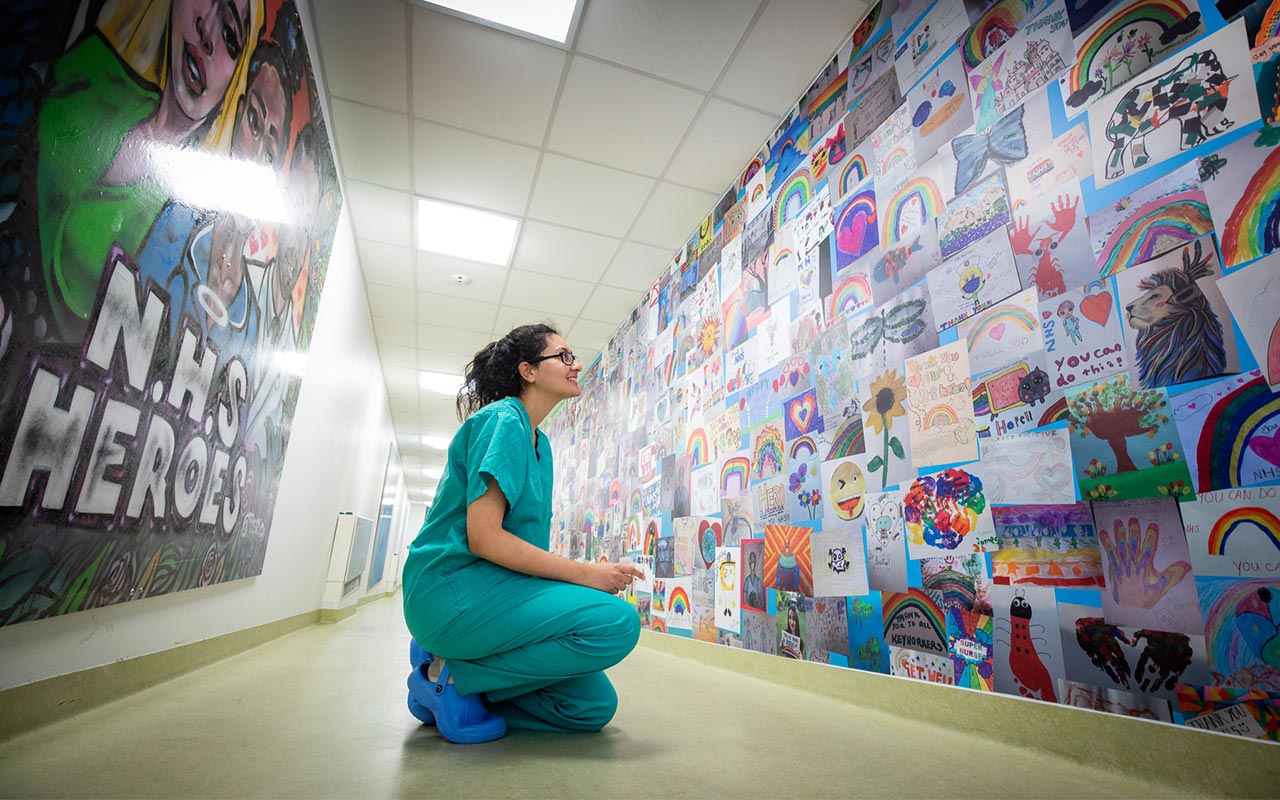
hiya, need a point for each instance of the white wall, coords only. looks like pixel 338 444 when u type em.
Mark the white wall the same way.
pixel 335 462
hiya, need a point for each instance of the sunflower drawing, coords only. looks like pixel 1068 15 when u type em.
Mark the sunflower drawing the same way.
pixel 884 406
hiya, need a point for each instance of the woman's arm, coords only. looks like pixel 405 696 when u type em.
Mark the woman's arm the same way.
pixel 488 540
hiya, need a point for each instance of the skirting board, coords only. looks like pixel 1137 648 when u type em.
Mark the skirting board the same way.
pixel 37 704
pixel 1214 764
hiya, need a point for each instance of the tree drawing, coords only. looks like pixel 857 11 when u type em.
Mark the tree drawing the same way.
pixel 1111 411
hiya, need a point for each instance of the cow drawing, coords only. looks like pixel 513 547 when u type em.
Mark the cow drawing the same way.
pixel 1194 93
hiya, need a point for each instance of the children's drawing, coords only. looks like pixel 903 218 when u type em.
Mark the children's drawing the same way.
pixel 977 154
pixel 1051 242
pixel 969 217
pixel 768 454
pixel 885 415
pixel 1231 428
pixel 1177 326
pixel 1032 468
pixel 939 106
pixel 1036 55
pixel 1234 534
pixel 912 202
pixel 927 42
pixel 805 488
pixel 1241 630
pixel 680 610
pixel 1046 545
pixel 976 277
pixel 1068 157
pixel 867 650
pixel 1110 656
pixel 727 591
pixel 685 546
pixel 995 26
pixel 739 520
pixel 1002 332
pixel 947 513
pixel 753 587
pixel 852 293
pixel 921 666
pixel 704 490
pixel 833 374
pixel 758 632
pixel 970 637
pixel 844 487
pixel 1244 193
pixel 1028 651
pixel 940 407
pixel 913 619
pixel 791 624
pixel 1250 294
pixel 769 501
pixel 784 266
pixel 1110 422
pixel 896 267
pixel 800 415
pixel 1207 87
pixel 1005 399
pixel 1147 566
pixel 892 148
pixel 1161 216
pixel 883 338
pixel 1114 701
pixel 876 59
pixel 876 104
pixel 856 227
pixel 787 564
pixel 839 566
pixel 1118 46
pixel 814 223
pixel 1237 712
pixel 1082 335
pixel 827 623
pixel 959 580
pixel 886 541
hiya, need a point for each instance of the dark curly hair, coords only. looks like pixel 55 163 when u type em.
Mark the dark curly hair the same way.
pixel 494 372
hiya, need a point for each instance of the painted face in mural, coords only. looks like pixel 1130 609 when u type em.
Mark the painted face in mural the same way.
pixel 226 259
pixel 304 195
pixel 262 116
pixel 207 39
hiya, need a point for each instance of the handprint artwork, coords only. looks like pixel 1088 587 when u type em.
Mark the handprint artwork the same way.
pixel 1147 566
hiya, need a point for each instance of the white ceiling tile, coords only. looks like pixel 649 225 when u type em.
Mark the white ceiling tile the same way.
pixel 672 215
pixel 455 312
pixel 723 139
pixel 391 302
pixel 439 422
pixel 373 145
pixel 386 264
pixel 401 394
pixel 394 332
pixel 405 411
pixel 468 168
pixel 587 196
pixel 435 361
pixel 676 39
pixel 587 333
pixel 790 42
pixel 435 275
pixel 450 340
pixel 362 46
pixel 637 266
pixel 614 116
pixel 586 355
pixel 401 377
pixel 608 304
pixel 513 316
pixel 380 214
pixel 568 253
pixel 394 355
pixel 481 79
pixel 547 294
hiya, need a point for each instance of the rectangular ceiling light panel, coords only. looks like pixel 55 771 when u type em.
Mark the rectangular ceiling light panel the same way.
pixel 551 21
pixel 464 232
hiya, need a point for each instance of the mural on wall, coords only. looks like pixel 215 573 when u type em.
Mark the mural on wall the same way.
pixel 1022 415
pixel 169 201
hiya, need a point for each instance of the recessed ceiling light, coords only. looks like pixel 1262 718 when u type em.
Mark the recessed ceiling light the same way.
pixel 437 442
pixel 549 20
pixel 440 382
pixel 466 232
pixel 433 472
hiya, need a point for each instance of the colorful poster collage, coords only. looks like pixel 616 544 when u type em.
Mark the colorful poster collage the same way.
pixel 1024 435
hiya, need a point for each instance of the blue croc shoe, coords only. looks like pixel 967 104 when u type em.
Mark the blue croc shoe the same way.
pixel 461 718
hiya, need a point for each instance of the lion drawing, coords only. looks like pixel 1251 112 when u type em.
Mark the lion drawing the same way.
pixel 1179 337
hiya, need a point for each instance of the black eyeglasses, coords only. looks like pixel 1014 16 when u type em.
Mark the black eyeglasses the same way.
pixel 566 356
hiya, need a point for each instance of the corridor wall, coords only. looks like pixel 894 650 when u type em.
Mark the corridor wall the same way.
pixel 970 376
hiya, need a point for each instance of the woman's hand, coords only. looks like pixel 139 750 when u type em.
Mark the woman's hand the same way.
pixel 611 578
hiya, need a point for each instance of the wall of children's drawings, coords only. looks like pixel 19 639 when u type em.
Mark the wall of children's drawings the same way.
pixel 972 376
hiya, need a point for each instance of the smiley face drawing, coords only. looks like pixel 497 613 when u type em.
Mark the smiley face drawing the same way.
pixel 848 489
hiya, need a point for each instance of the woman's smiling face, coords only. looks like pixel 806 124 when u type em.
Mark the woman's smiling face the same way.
pixel 207 38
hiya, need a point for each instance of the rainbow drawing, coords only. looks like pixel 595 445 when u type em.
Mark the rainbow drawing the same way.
pixel 898 603
pixel 637 502
pixel 918 195
pixel 753 166
pixel 853 173
pixel 1231 423
pixel 769 456
pixel 995 27
pixel 1150 17
pixel 698 447
pixel 792 197
pixel 615 493
pixel 806 332
pixel 852 295
pixel 736 469
pixel 1228 523
pixel 1014 318
pixel 848 440
pixel 1253 229
pixel 855 232
pixel 651 538
pixel 678 602
pixel 894 160
pixel 830 95
pixel 1155 228
pixel 802 447
pixel 939 416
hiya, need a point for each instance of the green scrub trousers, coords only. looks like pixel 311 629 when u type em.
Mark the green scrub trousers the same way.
pixel 537 649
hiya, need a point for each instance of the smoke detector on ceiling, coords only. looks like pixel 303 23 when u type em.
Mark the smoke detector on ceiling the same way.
pixel 460 279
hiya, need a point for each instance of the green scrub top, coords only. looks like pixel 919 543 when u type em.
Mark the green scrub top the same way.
pixel 495 443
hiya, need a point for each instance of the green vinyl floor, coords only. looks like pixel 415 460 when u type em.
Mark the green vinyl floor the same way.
pixel 320 714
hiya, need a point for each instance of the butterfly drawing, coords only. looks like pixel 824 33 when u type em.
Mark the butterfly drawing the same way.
pixel 1005 143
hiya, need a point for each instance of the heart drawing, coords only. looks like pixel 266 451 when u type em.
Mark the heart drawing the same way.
pixel 1267 447
pixel 1097 307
